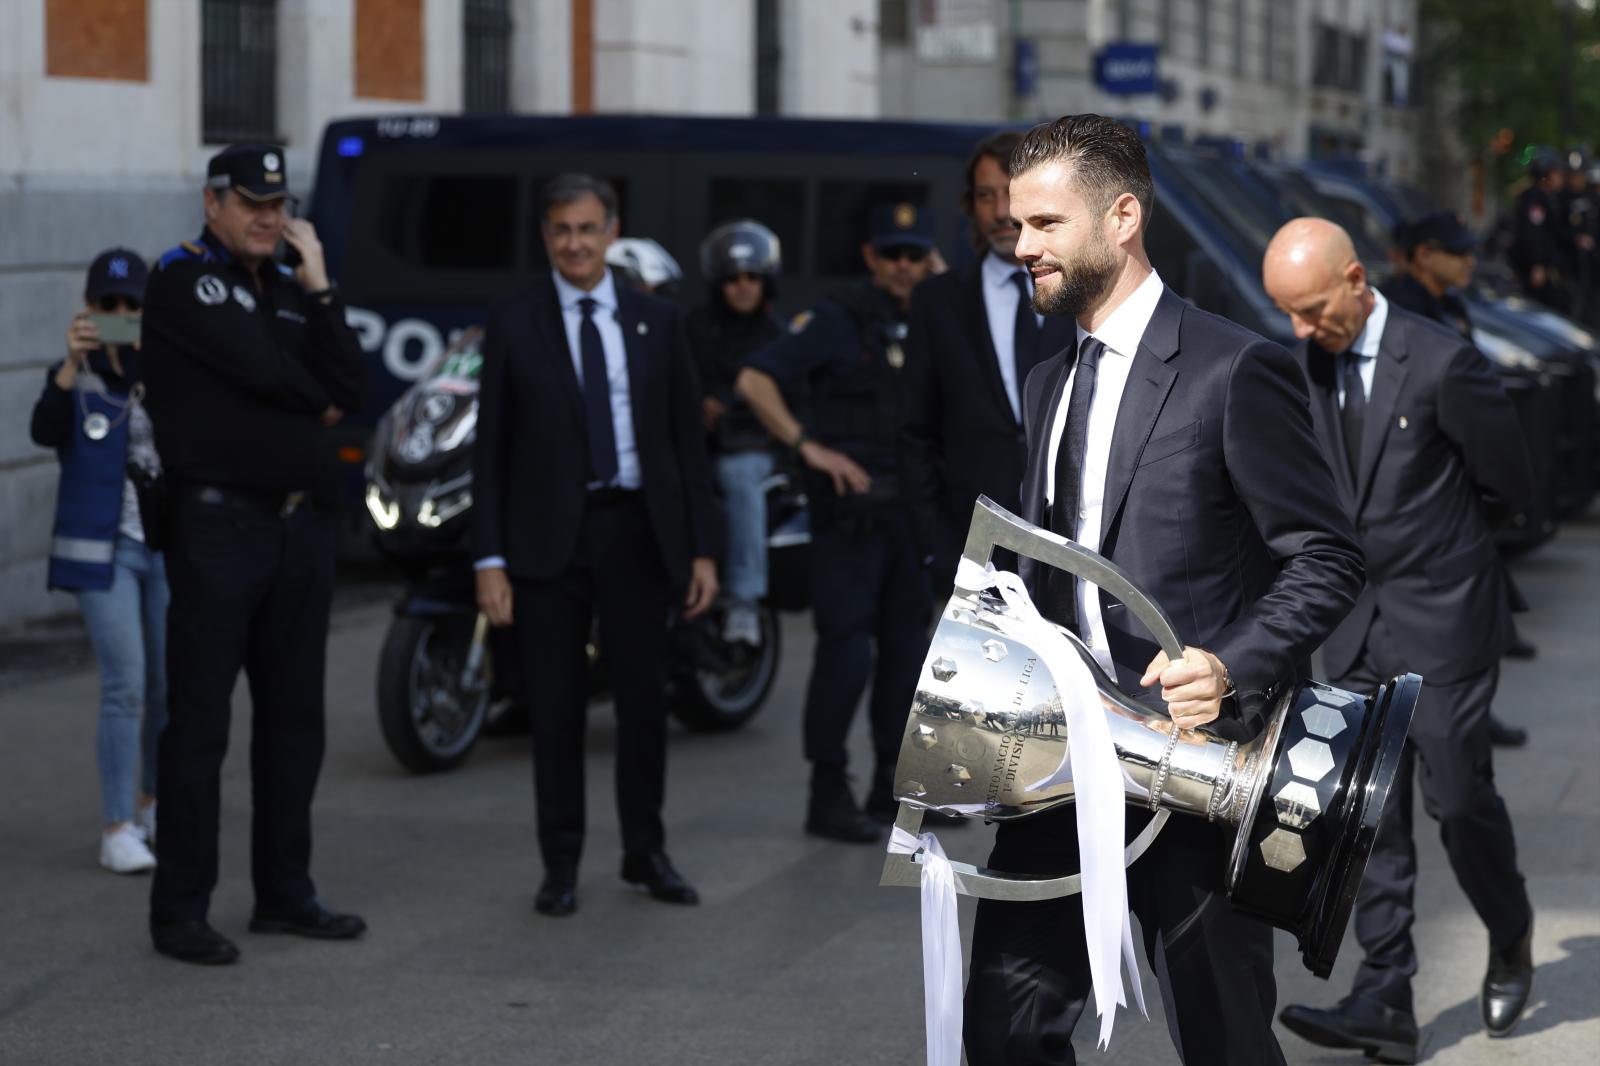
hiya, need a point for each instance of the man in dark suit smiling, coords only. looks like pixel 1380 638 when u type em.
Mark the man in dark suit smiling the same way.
pixel 592 497
pixel 1178 445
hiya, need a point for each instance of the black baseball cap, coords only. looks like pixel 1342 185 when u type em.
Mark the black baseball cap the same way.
pixel 1442 228
pixel 255 170
pixel 116 272
pixel 898 226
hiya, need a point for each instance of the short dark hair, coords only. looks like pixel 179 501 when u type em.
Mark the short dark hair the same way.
pixel 1107 158
pixel 996 146
pixel 565 188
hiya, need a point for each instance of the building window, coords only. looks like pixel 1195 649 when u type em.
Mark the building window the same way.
pixel 769 57
pixel 238 70
pixel 1238 38
pixel 1339 59
pixel 894 22
pixel 1202 30
pixel 1124 20
pixel 1164 28
pixel 1269 42
pixel 486 57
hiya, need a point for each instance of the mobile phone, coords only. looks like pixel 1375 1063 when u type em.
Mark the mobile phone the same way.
pixel 119 328
pixel 290 257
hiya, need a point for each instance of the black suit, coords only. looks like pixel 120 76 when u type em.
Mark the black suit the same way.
pixel 1220 505
pixel 959 438
pixel 1439 438
pixel 573 553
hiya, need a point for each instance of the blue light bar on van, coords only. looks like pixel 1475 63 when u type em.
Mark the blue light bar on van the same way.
pixel 350 147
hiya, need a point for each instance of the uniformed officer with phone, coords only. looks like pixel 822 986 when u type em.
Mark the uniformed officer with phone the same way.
pixel 249 362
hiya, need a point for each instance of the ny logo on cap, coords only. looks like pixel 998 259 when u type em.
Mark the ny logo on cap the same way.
pixel 118 268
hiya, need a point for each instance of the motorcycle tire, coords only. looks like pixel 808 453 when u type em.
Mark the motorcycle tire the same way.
pixel 428 721
pixel 707 700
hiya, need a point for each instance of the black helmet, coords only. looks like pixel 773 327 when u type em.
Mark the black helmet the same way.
pixel 741 246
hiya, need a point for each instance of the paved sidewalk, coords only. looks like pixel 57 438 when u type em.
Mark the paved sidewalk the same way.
pixel 796 956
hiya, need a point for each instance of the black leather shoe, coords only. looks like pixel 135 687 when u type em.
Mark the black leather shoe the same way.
pixel 557 896
pixel 832 811
pixel 1384 1033
pixel 654 871
pixel 193 941
pixel 1521 649
pixel 509 721
pixel 1506 985
pixel 307 918
pixel 1504 735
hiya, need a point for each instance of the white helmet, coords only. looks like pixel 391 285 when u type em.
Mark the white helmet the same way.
pixel 645 263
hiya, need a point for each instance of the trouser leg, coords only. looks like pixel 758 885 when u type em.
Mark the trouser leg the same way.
pixel 902 637
pixel 844 582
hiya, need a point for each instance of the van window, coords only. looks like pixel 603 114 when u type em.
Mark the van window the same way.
pixel 842 210
pixel 450 222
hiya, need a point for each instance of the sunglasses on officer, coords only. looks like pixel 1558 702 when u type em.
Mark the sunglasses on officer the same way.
pixel 744 275
pixel 112 304
pixel 911 253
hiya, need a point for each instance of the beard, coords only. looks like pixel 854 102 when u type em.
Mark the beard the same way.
pixel 1080 283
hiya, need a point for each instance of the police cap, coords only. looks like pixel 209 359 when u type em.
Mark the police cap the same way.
pixel 1443 229
pixel 254 170
pixel 899 225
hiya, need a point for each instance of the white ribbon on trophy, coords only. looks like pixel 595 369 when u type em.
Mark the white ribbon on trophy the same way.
pixel 1091 762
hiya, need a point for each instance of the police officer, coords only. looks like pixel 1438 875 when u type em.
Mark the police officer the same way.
pixel 1581 213
pixel 247 363
pixel 867 584
pixel 740 261
pixel 1539 252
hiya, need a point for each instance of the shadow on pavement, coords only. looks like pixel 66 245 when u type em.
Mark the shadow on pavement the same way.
pixel 1562 992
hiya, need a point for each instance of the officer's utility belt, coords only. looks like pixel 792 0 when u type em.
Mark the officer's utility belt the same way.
pixel 282 504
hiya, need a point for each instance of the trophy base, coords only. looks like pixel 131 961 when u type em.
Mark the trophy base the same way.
pixel 1302 851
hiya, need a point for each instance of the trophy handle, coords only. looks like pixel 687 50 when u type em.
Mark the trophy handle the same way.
pixel 995 527
pixel 983 883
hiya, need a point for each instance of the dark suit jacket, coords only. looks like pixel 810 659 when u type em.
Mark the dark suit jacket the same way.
pixel 531 461
pixel 959 438
pixel 1439 436
pixel 1219 504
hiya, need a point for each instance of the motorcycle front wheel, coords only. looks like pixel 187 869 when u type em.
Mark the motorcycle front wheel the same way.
pixel 716 686
pixel 430 716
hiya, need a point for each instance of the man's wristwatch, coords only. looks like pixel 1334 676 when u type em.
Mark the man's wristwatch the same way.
pixel 323 294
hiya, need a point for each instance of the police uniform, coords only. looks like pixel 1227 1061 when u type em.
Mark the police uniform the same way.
pixel 241 366
pixel 868 590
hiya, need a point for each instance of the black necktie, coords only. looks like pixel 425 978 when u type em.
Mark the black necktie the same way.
pixel 1024 331
pixel 1354 416
pixel 1069 464
pixel 597 398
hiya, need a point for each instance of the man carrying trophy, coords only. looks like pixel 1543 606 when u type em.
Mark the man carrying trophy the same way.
pixel 1180 447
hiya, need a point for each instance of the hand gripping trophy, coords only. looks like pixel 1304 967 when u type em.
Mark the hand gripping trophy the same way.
pixel 990 736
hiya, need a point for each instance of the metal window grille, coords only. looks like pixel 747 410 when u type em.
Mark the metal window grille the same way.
pixel 769 57
pixel 238 70
pixel 486 56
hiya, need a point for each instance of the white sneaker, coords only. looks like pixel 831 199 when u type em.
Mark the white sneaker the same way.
pixel 145 821
pixel 742 624
pixel 125 852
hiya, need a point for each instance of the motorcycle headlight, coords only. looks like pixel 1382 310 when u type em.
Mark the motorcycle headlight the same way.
pixel 444 502
pixel 1505 353
pixel 384 510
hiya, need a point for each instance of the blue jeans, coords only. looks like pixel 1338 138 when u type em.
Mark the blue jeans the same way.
pixel 740 476
pixel 128 627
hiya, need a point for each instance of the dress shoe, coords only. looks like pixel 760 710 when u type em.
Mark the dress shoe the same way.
pixel 510 720
pixel 832 811
pixel 1506 985
pixel 193 941
pixel 1504 735
pixel 654 871
pixel 557 896
pixel 1521 649
pixel 307 918
pixel 1384 1033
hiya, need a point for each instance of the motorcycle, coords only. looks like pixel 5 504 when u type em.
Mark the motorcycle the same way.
pixel 443 666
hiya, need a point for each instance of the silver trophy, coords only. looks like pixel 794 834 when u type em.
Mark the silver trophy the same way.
pixel 1303 798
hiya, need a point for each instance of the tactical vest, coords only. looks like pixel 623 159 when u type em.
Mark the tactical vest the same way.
pixel 857 402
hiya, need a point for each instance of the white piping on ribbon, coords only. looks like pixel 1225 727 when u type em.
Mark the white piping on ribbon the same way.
pixel 941 947
pixel 1091 763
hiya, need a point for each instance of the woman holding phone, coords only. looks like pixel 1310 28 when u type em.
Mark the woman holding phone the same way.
pixel 90 413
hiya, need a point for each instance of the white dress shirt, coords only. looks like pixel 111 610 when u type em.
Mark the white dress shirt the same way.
pixel 1000 306
pixel 1120 333
pixel 605 319
pixel 1366 345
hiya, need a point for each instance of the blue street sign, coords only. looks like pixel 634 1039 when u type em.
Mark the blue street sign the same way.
pixel 1126 69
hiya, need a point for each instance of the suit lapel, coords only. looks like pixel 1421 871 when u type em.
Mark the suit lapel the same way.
pixel 634 335
pixel 1150 379
pixel 552 329
pixel 980 342
pixel 1388 377
pixel 1319 372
